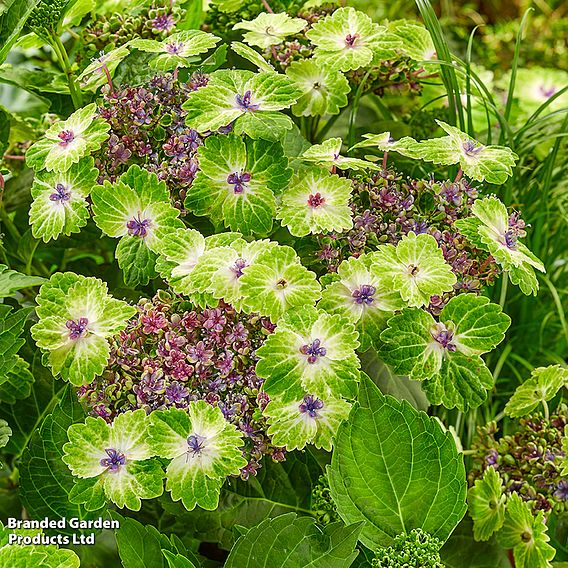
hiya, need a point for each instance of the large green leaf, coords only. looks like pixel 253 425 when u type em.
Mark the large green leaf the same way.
pixel 397 469
pixel 290 541
pixel 45 481
pixel 12 281
pixel 5 433
pixel 12 21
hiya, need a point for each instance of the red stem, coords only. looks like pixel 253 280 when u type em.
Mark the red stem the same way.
pixel 109 79
pixel 385 158
pixel 267 6
pixel 459 176
pixel 11 157
pixel 511 558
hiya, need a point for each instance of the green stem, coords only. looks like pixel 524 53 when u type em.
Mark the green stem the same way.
pixel 61 54
pixel 546 411
pixel 504 285
pixel 354 112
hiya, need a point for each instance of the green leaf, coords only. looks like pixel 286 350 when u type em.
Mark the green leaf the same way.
pixel 486 500
pixel 66 142
pixel 446 355
pixel 277 282
pixel 415 268
pixel 349 39
pixel 415 40
pixel 270 29
pixel 316 202
pixel 253 56
pixel 328 154
pixel 249 99
pixel 397 469
pixel 310 352
pixel 115 459
pixel 95 74
pixel 5 433
pixel 526 534
pixel 12 281
pixel 45 481
pixel 290 541
pixel 543 385
pixel 177 560
pixel 362 297
pixel 203 448
pixel 238 182
pixel 12 19
pixel 59 200
pixel 565 449
pixel 11 329
pixel 17 382
pixel 324 91
pixel 176 49
pixel 136 260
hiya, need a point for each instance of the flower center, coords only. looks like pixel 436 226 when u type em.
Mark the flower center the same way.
pixel 472 148
pixel 244 101
pixel 77 329
pixel 510 239
pixel 163 22
pixel 313 351
pixel 364 294
pixel 547 91
pixel 196 444
pixel 310 406
pixel 66 137
pixel 238 181
pixel 174 48
pixel 114 461
pixel 316 200
pixel 413 270
pixel 238 267
pixel 61 194
pixel 138 227
pixel 351 40
pixel 444 336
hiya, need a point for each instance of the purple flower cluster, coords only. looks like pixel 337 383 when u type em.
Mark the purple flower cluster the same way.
pixel 529 460
pixel 386 207
pixel 148 128
pixel 171 354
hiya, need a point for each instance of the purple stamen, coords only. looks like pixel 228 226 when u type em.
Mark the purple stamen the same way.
pixel 196 444
pixel 311 405
pixel 364 294
pixel 61 194
pixel 114 461
pixel 174 48
pixel 472 148
pixel 316 200
pixel 313 351
pixel 238 267
pixel 547 91
pixel 77 328
pixel 350 40
pixel 444 336
pixel 138 227
pixel 66 137
pixel 238 181
pixel 510 239
pixel 163 23
pixel 244 101
pixel 561 492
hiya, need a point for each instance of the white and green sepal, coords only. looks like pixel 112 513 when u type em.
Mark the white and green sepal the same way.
pixel 113 461
pixel 95 74
pixel 306 420
pixel 249 100
pixel 316 202
pixel 544 384
pixel 415 40
pixel 203 448
pixel 324 90
pixel 136 209
pixel 277 282
pixel 362 297
pixel 59 205
pixel 177 49
pixel 310 352
pixel 267 29
pixel 66 142
pixel 348 39
pixel 445 354
pixel 486 501
pixel 489 229
pixel 415 268
pixel 238 182
pixel 76 316
pixel 328 154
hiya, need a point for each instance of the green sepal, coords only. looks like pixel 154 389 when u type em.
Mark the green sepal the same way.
pixel 415 268
pixel 248 207
pixel 486 501
pixel 415 40
pixel 51 153
pixel 289 371
pixel 270 29
pixel 324 91
pixel 369 317
pixel 277 282
pixel 94 76
pixel 253 56
pixel 543 385
pixel 50 215
pixel 328 154
pixel 330 212
pixel 196 472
